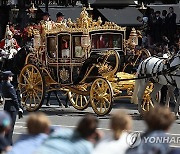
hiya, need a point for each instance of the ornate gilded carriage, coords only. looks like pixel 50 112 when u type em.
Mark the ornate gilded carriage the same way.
pixel 61 49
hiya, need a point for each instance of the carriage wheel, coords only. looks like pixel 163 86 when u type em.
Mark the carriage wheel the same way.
pixel 79 101
pixel 31 84
pixel 147 102
pixel 101 96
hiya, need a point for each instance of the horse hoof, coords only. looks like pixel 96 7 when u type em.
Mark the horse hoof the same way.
pixel 176 115
pixel 47 104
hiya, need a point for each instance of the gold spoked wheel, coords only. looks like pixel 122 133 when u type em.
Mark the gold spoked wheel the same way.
pixel 79 101
pixel 101 96
pixel 31 84
pixel 147 102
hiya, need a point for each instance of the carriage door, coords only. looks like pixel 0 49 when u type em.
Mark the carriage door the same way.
pixel 52 55
pixel 51 48
pixel 64 58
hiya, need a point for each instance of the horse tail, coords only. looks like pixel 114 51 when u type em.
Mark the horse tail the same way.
pixel 134 98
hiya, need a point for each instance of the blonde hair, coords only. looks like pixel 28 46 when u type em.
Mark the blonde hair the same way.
pixel 38 123
pixel 120 122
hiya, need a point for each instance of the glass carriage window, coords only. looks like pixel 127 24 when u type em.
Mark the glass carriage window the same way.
pixel 78 50
pixel 64 46
pixel 51 47
pixel 107 40
pixel 117 41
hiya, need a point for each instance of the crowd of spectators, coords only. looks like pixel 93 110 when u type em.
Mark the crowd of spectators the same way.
pixel 159 31
pixel 42 138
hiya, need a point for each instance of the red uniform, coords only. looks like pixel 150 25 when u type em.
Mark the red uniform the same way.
pixel 12 43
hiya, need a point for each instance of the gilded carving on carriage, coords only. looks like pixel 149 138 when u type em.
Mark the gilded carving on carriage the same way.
pixel 64 74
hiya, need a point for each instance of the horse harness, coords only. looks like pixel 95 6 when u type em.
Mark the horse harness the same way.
pixel 166 71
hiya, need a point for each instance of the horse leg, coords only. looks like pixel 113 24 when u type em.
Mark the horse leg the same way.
pixel 170 94
pixel 176 109
pixel 156 89
pixel 142 84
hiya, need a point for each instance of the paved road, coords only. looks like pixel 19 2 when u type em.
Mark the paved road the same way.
pixel 69 117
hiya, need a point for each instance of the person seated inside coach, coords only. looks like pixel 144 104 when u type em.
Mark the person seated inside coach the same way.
pixel 65 49
pixel 79 52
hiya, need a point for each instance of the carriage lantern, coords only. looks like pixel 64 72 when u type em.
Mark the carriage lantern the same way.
pixel 32 11
pixel 37 41
pixel 85 41
pixel 15 11
pixel 133 38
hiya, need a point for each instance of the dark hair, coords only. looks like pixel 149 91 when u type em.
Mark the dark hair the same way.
pixel 59 14
pixel 87 126
pixel 138 17
pixel 164 12
pixel 159 118
pixel 157 12
pixel 171 7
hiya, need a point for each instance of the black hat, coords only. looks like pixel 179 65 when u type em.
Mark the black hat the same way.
pixel 7 73
pixel 157 12
pixel 46 14
pixel 59 14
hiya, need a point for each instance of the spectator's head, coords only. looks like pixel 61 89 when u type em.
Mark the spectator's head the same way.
pixel 159 118
pixel 38 123
pixel 45 16
pixel 7 75
pixel 11 27
pixel 152 11
pixel 59 17
pixel 139 19
pixel 5 122
pixel 164 13
pixel 171 9
pixel 157 13
pixel 87 126
pixel 120 122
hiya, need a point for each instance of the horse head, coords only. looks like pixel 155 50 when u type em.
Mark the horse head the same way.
pixel 19 59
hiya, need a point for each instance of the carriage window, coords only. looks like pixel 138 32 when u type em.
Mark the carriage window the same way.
pixel 78 50
pixel 64 46
pixel 106 41
pixel 51 47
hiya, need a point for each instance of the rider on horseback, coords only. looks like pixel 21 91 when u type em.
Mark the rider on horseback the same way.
pixel 9 46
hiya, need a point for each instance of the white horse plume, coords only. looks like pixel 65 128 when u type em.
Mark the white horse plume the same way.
pixel 162 74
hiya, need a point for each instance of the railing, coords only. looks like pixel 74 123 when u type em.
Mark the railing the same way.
pixel 58 2
pixel 50 2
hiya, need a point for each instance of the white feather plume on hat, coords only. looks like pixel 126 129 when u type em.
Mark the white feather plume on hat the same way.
pixel 8 31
